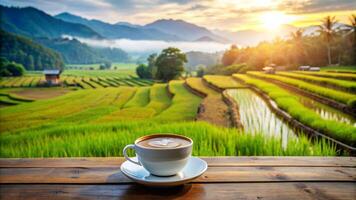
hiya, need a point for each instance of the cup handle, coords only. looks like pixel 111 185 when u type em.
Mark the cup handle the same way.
pixel 127 157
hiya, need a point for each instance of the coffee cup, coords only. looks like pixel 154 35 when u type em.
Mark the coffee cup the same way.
pixel 161 154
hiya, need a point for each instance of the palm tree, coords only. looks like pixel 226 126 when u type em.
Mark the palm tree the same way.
pixel 353 28
pixel 297 39
pixel 327 31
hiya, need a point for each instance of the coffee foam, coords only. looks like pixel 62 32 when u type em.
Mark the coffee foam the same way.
pixel 164 142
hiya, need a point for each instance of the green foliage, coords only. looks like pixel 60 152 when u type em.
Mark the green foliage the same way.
pixel 11 68
pixel 142 71
pixel 289 102
pixel 170 64
pixel 28 53
pixel 201 71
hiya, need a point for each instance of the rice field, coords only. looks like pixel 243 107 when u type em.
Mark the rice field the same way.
pixel 82 81
pixel 290 103
pixel 340 96
pixel 347 86
pixel 106 111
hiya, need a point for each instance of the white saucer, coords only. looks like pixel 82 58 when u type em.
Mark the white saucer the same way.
pixel 194 168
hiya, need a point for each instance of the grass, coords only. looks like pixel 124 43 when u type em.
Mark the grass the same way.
pixel 159 98
pixel 348 86
pixel 339 69
pixel 289 102
pixel 342 97
pixel 224 82
pixel 341 76
pixel 140 99
pixel 184 104
pixel 109 140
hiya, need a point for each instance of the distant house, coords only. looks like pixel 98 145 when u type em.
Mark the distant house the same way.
pixel 52 76
pixel 304 68
pixel 269 70
pixel 314 69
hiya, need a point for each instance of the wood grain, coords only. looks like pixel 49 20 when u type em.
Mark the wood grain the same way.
pixel 226 178
pixel 212 162
pixel 212 175
pixel 275 191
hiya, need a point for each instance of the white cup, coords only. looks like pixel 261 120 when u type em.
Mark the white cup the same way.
pixel 161 161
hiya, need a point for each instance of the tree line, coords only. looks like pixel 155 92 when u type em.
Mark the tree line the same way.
pixel 330 45
pixel 31 55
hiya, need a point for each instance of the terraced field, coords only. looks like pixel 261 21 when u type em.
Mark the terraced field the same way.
pixel 84 82
pixel 101 122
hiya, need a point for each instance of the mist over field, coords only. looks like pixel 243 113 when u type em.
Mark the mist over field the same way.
pixel 147 46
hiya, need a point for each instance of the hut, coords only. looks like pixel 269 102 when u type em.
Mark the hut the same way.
pixel 269 70
pixel 304 68
pixel 52 76
pixel 314 69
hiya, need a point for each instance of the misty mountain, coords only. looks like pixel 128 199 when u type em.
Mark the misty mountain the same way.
pixel 75 52
pixel 128 24
pixel 196 58
pixel 253 37
pixel 27 52
pixel 115 31
pixel 32 22
pixel 185 30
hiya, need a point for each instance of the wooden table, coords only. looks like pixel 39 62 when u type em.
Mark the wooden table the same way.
pixel 226 178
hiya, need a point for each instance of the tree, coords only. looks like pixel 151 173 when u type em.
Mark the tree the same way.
pixel 170 64
pixel 142 71
pixel 298 45
pixel 201 71
pixel 11 69
pixel 30 63
pixel 353 28
pixel 230 55
pixel 327 31
pixel 152 68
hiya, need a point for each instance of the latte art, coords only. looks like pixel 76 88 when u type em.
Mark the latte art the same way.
pixel 164 142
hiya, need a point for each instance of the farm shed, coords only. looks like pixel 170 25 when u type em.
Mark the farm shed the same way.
pixel 269 70
pixel 52 76
pixel 304 68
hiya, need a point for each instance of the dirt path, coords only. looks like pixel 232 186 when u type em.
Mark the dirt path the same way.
pixel 41 93
pixel 212 108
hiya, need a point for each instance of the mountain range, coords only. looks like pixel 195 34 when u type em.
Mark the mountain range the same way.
pixel 34 23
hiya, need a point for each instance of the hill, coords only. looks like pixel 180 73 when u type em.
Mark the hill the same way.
pixel 32 22
pixel 183 29
pixel 119 30
pixel 31 55
pixel 75 52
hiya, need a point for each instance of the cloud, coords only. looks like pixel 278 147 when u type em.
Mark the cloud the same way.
pixel 151 46
pixel 213 14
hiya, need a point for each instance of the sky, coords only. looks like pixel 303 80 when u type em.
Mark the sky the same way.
pixel 232 15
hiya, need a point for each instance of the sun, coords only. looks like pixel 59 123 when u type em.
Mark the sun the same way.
pixel 273 20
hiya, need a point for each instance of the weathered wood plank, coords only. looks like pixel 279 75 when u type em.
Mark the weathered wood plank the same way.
pixel 212 161
pixel 212 175
pixel 275 191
